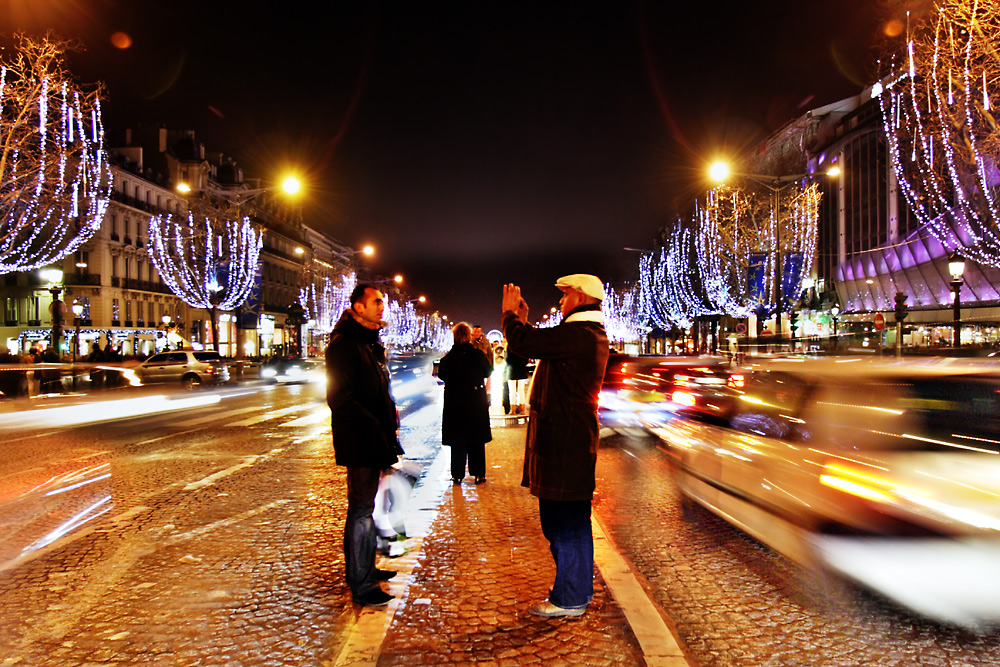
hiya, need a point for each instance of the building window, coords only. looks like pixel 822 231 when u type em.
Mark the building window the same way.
pixel 114 266
pixel 115 310
pixel 10 313
pixel 128 311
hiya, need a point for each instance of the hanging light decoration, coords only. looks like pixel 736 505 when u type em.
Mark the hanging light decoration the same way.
pixel 325 306
pixel 741 237
pixel 623 320
pixel 55 181
pixel 207 261
pixel 669 291
pixel 943 136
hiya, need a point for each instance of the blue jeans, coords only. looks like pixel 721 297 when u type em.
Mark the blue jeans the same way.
pixel 566 525
pixel 359 530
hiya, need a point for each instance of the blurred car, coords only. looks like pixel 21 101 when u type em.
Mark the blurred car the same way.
pixel 640 393
pixel 887 473
pixel 288 370
pixel 188 367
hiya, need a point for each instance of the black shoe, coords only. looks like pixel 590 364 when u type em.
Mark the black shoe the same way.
pixel 456 480
pixel 480 480
pixel 375 598
pixel 384 575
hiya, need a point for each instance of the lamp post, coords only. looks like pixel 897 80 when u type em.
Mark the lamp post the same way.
pixel 835 314
pixel 719 172
pixel 77 312
pixel 54 278
pixel 956 267
pixel 166 327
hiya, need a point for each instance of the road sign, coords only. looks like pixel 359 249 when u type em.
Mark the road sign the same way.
pixel 879 321
pixel 741 328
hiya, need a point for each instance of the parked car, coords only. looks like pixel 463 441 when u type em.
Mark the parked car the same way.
pixel 190 368
pixel 887 473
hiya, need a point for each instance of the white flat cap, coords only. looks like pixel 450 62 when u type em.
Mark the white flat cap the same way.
pixel 586 283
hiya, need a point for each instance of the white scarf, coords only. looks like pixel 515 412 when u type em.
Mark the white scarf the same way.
pixel 586 316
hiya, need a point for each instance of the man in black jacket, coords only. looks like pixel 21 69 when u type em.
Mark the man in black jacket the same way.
pixel 364 423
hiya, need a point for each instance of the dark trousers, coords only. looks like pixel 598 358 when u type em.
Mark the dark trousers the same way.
pixel 476 455
pixel 359 530
pixel 566 525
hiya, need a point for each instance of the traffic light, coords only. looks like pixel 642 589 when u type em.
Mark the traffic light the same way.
pixel 794 321
pixel 901 308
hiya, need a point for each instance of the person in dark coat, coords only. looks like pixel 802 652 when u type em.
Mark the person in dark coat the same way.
pixel 364 424
pixel 465 422
pixel 560 456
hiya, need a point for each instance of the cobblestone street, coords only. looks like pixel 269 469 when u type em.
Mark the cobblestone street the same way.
pixel 221 545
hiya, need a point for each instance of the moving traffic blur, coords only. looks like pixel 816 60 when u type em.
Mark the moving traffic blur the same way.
pixel 887 474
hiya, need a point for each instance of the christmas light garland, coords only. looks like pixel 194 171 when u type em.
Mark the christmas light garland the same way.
pixel 207 262
pixel 324 308
pixel 55 180
pixel 741 237
pixel 942 134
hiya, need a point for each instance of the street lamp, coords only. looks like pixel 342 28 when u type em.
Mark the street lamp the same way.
pixel 77 312
pixel 55 277
pixel 720 171
pixel 835 313
pixel 956 267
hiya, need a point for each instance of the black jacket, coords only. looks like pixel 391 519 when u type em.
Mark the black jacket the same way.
pixel 466 416
pixel 363 414
pixel 561 449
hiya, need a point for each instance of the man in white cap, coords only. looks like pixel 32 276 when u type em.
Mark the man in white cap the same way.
pixel 560 454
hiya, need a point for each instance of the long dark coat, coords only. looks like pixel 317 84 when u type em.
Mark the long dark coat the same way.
pixel 466 416
pixel 363 414
pixel 560 455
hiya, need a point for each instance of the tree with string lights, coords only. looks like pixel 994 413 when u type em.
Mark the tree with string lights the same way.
pixel 941 125
pixel 669 294
pixel 623 319
pixel 208 257
pixel 325 305
pixel 55 181
pixel 741 238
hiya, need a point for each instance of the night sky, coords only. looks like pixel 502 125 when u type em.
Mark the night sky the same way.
pixel 475 143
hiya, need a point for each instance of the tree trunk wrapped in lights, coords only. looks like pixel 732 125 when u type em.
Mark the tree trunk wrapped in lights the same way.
pixel 55 181
pixel 208 258
pixel 941 125
pixel 741 238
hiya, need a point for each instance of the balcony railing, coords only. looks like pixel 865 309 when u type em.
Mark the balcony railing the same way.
pixel 93 279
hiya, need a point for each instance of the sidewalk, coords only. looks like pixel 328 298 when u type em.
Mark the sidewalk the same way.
pixel 483 563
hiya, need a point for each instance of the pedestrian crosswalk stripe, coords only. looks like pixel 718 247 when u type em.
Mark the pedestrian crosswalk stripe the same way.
pixel 257 419
pixel 215 416
pixel 313 417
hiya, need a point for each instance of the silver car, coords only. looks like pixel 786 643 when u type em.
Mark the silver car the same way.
pixel 888 473
pixel 188 367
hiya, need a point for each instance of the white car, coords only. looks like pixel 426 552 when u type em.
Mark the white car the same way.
pixel 888 473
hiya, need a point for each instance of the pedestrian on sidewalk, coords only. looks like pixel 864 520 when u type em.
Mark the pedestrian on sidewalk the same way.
pixel 364 426
pixel 465 421
pixel 517 382
pixel 560 455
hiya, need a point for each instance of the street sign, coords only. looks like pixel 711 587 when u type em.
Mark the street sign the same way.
pixel 741 328
pixel 879 321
